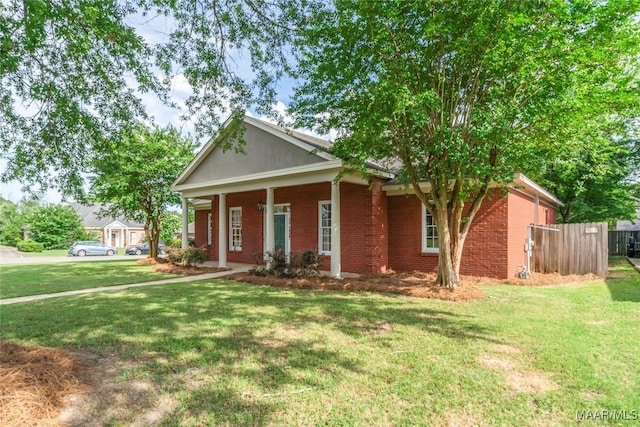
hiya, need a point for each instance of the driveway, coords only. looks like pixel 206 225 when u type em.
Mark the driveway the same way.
pixel 9 255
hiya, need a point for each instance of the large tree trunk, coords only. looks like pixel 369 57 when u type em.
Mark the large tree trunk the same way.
pixel 448 275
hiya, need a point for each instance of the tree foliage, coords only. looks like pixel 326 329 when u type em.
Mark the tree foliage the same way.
pixel 55 226
pixel 135 176
pixel 13 217
pixel 458 94
pixel 73 72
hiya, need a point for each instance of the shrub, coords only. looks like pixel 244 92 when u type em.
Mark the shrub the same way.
pixel 276 263
pixel 174 255
pixel 174 243
pixel 189 256
pixel 29 246
pixel 194 256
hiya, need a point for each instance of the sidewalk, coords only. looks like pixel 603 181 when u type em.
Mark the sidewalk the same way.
pixel 235 268
pixel 635 262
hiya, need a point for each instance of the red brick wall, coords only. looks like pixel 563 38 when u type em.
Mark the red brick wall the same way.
pixel 484 253
pixel 363 224
pixel 201 230
pixel 522 213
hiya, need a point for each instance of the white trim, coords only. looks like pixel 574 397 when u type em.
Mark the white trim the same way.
pixel 263 176
pixel 212 144
pixel 222 230
pixel 520 182
pixel 336 257
pixel 232 247
pixel 209 229
pixel 116 224
pixel 536 189
pixel 320 242
pixel 423 228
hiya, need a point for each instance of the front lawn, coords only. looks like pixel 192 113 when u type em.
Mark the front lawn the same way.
pixel 46 253
pixel 28 279
pixel 216 352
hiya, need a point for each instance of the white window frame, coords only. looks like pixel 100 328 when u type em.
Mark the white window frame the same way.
pixel 425 227
pixel 233 247
pixel 209 228
pixel 321 227
pixel 132 238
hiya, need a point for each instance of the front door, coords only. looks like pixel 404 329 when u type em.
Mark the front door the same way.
pixel 282 226
pixel 280 223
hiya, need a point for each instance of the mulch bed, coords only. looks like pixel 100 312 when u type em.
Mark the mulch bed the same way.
pixel 414 284
pixel 161 265
pixel 34 383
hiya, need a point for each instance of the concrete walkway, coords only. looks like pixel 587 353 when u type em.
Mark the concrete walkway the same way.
pixel 635 262
pixel 235 268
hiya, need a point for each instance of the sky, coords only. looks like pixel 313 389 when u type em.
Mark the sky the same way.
pixel 153 31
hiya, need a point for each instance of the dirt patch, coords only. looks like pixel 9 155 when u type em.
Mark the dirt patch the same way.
pixel 530 382
pixel 35 383
pixel 493 362
pixel 414 284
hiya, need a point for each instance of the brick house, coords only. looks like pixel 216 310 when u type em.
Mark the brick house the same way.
pixel 282 193
pixel 119 232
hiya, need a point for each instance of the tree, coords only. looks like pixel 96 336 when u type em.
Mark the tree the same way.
pixel 461 94
pixel 55 226
pixel 133 179
pixel 171 226
pixel 13 217
pixel 593 182
pixel 73 72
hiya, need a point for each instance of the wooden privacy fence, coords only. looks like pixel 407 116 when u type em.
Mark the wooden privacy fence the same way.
pixel 619 239
pixel 570 248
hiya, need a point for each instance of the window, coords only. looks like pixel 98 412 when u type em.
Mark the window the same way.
pixel 235 229
pixel 132 237
pixel 429 232
pixel 324 227
pixel 209 229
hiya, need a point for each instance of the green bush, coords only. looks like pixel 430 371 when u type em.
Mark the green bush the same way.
pixel 174 255
pixel 276 263
pixel 194 256
pixel 174 243
pixel 29 246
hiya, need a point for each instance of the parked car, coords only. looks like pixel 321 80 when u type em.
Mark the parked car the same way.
pixel 143 249
pixel 91 247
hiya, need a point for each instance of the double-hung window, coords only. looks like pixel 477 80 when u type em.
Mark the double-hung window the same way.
pixel 235 229
pixel 324 227
pixel 429 232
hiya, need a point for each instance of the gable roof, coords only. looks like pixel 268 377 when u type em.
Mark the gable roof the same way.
pixel 91 218
pixel 317 148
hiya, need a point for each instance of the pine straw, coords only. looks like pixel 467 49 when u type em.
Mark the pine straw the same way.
pixel 414 284
pixel 34 382
pixel 161 265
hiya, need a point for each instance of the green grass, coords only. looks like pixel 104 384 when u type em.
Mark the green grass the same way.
pixel 46 253
pixel 233 354
pixel 23 280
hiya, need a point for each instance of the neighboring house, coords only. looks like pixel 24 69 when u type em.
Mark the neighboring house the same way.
pixel 632 225
pixel 119 232
pixel 191 229
pixel 282 193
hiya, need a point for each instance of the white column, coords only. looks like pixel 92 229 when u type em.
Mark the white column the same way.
pixel 185 223
pixel 335 230
pixel 222 230
pixel 270 229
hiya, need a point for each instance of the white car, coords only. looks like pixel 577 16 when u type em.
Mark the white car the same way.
pixel 91 247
